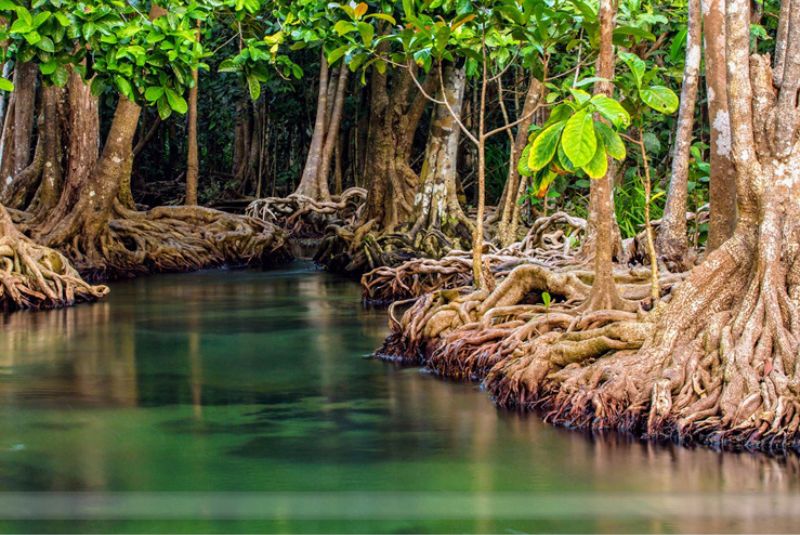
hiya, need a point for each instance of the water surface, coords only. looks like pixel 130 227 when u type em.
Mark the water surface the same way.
pixel 242 401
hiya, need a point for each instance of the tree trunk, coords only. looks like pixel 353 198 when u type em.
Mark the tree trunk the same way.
pixel 333 126
pixel 721 366
pixel 24 113
pixel 436 203
pixel 509 216
pixel 52 176
pixel 604 291
pixel 673 241
pixel 192 158
pixel 310 183
pixel 722 187
pixel 394 119
pixel 7 144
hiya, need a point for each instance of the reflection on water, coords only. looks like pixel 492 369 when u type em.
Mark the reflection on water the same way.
pixel 255 382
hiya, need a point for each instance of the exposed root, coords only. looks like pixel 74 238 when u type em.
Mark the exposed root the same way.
pixel 550 241
pixel 303 217
pixel 173 239
pixel 36 277
pixel 353 252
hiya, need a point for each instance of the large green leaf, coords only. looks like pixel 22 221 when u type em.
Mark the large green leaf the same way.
pixel 660 98
pixel 544 146
pixel 578 139
pixel 611 110
pixel 611 140
pixel 598 165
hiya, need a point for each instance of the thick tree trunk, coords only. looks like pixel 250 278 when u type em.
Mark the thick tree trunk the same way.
pixel 436 203
pixel 394 119
pixel 24 112
pixel 7 145
pixel 310 183
pixel 673 242
pixel 52 176
pixel 332 127
pixel 723 176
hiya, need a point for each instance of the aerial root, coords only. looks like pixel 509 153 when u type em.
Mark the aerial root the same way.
pixel 303 217
pixel 551 242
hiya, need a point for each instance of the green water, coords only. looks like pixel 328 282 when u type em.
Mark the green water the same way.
pixel 242 401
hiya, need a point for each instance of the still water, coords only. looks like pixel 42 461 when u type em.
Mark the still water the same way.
pixel 243 401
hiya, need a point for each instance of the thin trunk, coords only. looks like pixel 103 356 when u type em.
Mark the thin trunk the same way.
pixel 509 206
pixel 477 235
pixel 673 241
pixel 604 291
pixel 192 157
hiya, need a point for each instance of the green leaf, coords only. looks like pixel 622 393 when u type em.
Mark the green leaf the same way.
pixel 611 110
pixel 635 64
pixel 48 67
pixel 563 160
pixel 578 140
pixel 32 37
pixel 660 98
pixel 164 110
pixel 6 85
pixel 580 96
pixel 337 53
pixel 153 93
pixel 367 33
pixel 254 86
pixel 544 146
pixel 611 140
pixel 46 44
pixel 60 77
pixel 124 86
pixel 176 101
pixel 522 166
pixel 62 19
pixel 228 65
pixel 598 165
pixel 343 27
